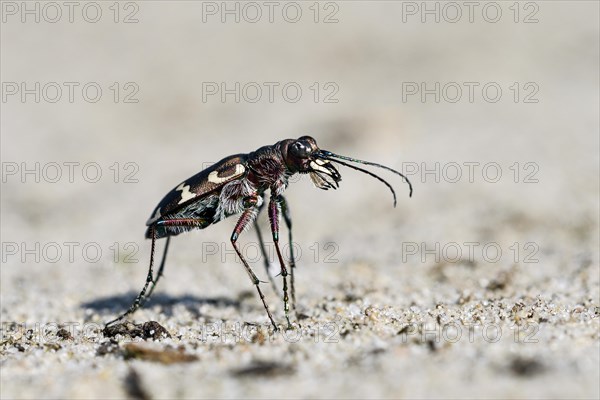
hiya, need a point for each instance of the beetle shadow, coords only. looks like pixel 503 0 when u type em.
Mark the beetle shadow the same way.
pixel 117 304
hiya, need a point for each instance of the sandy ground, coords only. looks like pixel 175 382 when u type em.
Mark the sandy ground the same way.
pixel 479 286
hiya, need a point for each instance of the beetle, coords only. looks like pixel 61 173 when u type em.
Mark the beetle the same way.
pixel 237 185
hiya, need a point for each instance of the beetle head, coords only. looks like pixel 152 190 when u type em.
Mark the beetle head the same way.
pixel 304 156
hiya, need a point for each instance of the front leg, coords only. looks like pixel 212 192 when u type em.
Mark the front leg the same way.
pixel 265 254
pixel 288 222
pixel 274 212
pixel 247 218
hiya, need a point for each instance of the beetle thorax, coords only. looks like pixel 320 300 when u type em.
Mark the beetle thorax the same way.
pixel 269 169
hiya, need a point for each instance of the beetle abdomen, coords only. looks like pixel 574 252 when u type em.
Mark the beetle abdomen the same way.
pixel 201 211
pixel 205 183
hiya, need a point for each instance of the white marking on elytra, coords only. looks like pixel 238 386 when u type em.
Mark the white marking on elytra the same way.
pixel 317 167
pixel 185 193
pixel 155 217
pixel 214 176
pixel 321 162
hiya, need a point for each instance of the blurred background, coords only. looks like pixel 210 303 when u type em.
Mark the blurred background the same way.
pixel 490 108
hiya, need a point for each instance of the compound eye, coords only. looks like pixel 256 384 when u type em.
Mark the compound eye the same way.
pixel 300 149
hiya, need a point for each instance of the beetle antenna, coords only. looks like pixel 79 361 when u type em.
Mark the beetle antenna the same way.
pixel 331 155
pixel 368 173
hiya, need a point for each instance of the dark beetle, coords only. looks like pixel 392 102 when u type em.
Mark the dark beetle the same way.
pixel 237 185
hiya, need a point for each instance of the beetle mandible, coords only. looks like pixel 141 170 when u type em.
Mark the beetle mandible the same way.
pixel 237 185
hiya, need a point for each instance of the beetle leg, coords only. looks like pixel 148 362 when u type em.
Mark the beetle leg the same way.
pixel 274 219
pixel 248 217
pixel 142 298
pixel 264 252
pixel 160 270
pixel 288 223
pixel 149 278
pixel 159 274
